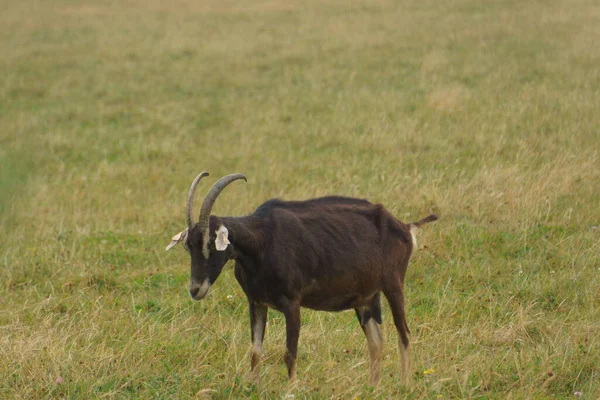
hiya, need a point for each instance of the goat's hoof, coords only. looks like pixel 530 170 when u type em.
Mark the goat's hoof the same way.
pixel 252 377
pixel 292 383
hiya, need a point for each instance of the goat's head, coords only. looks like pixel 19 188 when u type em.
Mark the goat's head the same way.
pixel 209 246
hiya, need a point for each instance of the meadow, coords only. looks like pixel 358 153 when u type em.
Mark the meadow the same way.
pixel 485 112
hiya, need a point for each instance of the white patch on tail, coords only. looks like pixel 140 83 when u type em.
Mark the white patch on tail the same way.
pixel 413 234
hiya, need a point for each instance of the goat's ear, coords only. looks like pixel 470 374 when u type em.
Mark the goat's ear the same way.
pixel 177 238
pixel 222 239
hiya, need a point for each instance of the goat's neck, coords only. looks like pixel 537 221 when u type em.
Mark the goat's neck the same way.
pixel 244 234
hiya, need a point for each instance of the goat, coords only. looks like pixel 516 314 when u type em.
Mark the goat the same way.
pixel 330 253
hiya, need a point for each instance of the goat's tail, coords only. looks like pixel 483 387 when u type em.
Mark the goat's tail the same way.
pixel 426 220
pixel 414 227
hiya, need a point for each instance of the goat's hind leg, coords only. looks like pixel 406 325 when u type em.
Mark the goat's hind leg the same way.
pixel 395 297
pixel 369 317
pixel 258 321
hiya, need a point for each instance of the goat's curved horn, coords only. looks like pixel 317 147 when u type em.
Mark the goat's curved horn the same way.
pixel 212 195
pixel 190 199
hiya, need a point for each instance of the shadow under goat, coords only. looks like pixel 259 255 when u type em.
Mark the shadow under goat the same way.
pixel 330 253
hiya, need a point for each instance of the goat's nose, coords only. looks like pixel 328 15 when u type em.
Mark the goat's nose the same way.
pixel 198 290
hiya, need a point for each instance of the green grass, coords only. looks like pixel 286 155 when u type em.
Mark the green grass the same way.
pixel 485 112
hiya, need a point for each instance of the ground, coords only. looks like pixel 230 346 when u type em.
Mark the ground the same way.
pixel 483 112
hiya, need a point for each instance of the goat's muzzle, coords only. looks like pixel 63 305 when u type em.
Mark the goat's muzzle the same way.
pixel 198 290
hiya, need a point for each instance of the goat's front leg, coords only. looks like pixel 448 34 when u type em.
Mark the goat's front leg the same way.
pixel 292 327
pixel 258 321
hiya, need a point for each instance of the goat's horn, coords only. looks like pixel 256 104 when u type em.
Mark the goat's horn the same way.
pixel 210 198
pixel 190 199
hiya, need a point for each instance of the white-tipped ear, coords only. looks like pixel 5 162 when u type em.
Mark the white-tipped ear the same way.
pixel 177 238
pixel 222 239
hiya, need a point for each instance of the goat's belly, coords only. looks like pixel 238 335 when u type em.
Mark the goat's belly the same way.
pixel 343 293
pixel 336 303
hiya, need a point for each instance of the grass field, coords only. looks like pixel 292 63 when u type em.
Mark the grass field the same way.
pixel 486 112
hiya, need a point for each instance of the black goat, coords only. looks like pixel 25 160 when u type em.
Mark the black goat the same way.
pixel 330 253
